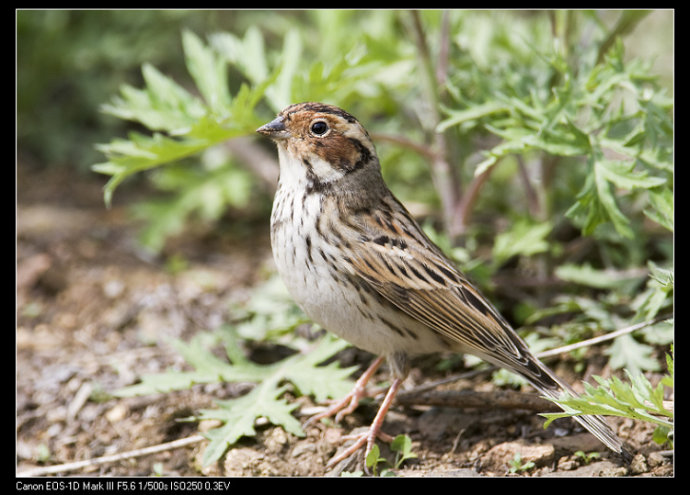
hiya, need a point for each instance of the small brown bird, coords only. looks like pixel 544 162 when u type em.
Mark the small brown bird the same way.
pixel 358 264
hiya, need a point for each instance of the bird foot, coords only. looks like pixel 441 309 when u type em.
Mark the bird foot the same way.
pixel 360 439
pixel 374 431
pixel 348 403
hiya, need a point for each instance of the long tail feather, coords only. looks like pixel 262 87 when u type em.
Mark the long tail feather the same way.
pixel 544 380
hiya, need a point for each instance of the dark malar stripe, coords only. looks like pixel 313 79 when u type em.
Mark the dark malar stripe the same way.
pixel 364 154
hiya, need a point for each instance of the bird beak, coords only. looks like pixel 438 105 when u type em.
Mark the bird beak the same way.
pixel 275 129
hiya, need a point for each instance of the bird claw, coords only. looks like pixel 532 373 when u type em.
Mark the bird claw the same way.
pixel 348 403
pixel 368 438
pixel 341 408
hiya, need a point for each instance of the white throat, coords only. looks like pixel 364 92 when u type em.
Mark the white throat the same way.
pixel 296 173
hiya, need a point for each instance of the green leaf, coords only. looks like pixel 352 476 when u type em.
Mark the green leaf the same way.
pixel 662 208
pixel 303 370
pixel 164 105
pixel 565 140
pixel 192 126
pixel 247 54
pixel 209 71
pixel 606 199
pixel 659 293
pixel 456 117
pixel 373 457
pixel 636 399
pixel 203 193
pixel 239 416
pixel 623 175
pixel 523 238
pixel 626 352
pixel 330 381
pixel 279 95
pixel 624 280
pixel 402 446
pixel 667 380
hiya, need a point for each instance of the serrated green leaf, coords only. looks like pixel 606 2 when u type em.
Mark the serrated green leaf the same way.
pixel 622 174
pixel 209 72
pixel 662 208
pixel 626 352
pixel 279 94
pixel 165 382
pixel 330 381
pixel 636 399
pixel 247 54
pixel 456 117
pixel 502 150
pixel 162 105
pixel 239 416
pixel 606 198
pixel 304 370
pixel 523 238
pixel 565 140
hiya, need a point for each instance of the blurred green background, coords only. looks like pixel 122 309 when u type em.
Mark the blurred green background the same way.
pixel 69 62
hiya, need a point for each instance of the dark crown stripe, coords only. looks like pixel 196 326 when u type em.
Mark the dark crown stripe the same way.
pixel 323 108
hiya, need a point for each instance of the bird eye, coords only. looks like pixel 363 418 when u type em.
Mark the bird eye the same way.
pixel 319 128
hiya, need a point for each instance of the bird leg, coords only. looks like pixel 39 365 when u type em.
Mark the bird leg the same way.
pixel 374 430
pixel 351 400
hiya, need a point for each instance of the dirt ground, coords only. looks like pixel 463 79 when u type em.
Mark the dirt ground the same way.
pixel 93 313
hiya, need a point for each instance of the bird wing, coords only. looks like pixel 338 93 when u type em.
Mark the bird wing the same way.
pixel 402 265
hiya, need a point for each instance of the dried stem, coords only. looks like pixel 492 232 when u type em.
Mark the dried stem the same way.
pixel 73 466
pixel 503 399
pixel 532 198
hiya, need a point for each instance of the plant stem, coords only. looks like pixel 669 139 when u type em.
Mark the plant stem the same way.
pixel 444 176
pixel 466 205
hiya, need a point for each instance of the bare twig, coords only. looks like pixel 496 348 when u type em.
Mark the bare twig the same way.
pixel 601 338
pixel 404 142
pixel 544 354
pixel 465 207
pixel 502 399
pixel 73 466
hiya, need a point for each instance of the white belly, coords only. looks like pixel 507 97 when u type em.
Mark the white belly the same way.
pixel 321 287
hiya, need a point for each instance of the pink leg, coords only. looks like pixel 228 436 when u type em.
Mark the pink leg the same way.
pixel 350 401
pixel 374 430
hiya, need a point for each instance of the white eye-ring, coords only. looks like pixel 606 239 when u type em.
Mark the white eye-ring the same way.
pixel 319 128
